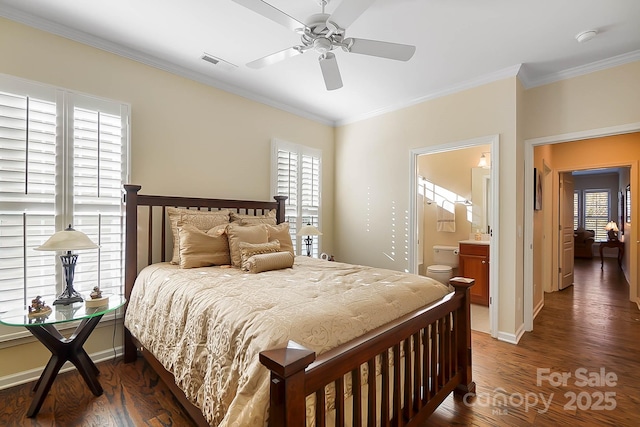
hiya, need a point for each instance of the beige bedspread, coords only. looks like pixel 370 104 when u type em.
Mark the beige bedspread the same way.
pixel 207 325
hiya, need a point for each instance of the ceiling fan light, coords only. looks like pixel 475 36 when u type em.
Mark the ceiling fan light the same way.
pixel 322 45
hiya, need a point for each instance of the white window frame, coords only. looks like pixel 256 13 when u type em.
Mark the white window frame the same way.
pixel 297 218
pixel 601 234
pixel 63 210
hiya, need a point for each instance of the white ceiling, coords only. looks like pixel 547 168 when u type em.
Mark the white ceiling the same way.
pixel 459 44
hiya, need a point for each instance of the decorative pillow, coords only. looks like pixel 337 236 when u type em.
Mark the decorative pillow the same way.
pixel 244 233
pixel 271 261
pixel 269 218
pixel 202 249
pixel 247 250
pixel 203 220
pixel 281 233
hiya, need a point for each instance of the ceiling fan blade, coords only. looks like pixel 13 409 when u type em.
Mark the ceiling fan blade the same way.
pixel 348 11
pixel 330 71
pixel 270 12
pixel 399 52
pixel 274 57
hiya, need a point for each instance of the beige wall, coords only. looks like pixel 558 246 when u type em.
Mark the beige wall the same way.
pixel 598 100
pixel 187 138
pixel 373 159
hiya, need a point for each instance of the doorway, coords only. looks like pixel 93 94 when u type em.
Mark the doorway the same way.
pixel 614 157
pixel 416 244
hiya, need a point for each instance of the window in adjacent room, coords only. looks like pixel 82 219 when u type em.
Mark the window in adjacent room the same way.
pixel 596 212
pixel 576 209
pixel 296 174
pixel 63 160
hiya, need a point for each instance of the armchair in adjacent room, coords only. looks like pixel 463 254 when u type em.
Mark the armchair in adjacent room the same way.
pixel 582 242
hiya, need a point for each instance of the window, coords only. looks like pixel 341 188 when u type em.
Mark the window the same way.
pixel 296 174
pixel 63 160
pixel 576 209
pixel 596 212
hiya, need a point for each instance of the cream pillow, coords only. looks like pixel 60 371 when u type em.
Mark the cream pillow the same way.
pixel 244 233
pixel 271 261
pixel 203 220
pixel 247 250
pixel 281 233
pixel 202 249
pixel 269 218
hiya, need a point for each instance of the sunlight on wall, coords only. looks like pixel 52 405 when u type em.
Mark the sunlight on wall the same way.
pixel 392 254
pixel 442 197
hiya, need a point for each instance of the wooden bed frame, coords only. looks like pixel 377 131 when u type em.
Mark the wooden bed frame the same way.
pixel 437 339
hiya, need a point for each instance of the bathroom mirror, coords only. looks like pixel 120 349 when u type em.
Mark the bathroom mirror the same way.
pixel 480 198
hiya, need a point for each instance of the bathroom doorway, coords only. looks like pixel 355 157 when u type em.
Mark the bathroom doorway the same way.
pixel 442 181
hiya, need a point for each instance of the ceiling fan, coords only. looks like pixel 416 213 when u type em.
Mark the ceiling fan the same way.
pixel 323 33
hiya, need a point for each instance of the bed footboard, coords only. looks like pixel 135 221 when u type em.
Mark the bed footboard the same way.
pixel 432 345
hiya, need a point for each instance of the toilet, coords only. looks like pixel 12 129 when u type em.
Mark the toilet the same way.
pixel 445 259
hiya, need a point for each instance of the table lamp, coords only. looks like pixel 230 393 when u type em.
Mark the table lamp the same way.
pixel 309 230
pixel 68 240
pixel 612 230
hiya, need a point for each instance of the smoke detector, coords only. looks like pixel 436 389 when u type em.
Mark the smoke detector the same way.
pixel 585 36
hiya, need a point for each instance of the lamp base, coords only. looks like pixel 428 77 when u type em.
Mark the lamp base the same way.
pixel 67 298
pixel 612 235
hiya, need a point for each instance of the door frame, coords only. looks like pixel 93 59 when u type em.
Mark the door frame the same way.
pixel 529 145
pixel 494 142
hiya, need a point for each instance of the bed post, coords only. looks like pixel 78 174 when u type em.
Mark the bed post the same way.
pixel 287 406
pixel 131 259
pixel 463 336
pixel 280 218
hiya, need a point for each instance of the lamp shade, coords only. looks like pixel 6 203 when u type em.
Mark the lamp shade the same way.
pixel 67 240
pixel 611 225
pixel 309 230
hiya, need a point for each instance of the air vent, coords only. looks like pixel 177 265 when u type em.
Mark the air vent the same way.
pixel 218 62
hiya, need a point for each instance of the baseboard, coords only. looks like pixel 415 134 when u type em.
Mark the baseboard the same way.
pixel 538 308
pixel 33 374
pixel 511 338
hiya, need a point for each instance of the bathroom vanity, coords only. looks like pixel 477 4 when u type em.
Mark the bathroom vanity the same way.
pixel 474 263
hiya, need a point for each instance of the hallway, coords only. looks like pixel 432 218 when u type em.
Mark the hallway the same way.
pixel 583 331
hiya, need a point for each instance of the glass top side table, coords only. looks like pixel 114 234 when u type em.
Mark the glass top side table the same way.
pixel 63 349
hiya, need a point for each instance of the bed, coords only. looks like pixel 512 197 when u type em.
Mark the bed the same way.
pixel 312 369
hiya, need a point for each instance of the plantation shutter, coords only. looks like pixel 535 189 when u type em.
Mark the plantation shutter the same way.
pixel 98 175
pixel 297 176
pixel 576 201
pixel 27 196
pixel 63 160
pixel 596 212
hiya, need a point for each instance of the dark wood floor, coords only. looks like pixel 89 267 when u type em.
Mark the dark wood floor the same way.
pixel 590 326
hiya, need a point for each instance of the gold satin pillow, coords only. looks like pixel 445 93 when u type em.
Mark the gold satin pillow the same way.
pixel 202 249
pixel 202 220
pixel 281 233
pixel 269 218
pixel 244 233
pixel 247 250
pixel 271 261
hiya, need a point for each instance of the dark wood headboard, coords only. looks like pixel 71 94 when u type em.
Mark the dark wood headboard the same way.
pixel 156 236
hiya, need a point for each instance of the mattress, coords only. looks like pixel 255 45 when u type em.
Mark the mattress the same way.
pixel 208 325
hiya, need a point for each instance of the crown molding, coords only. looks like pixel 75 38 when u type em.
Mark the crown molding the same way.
pixel 152 61
pixel 625 58
pixel 519 70
pixel 459 87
